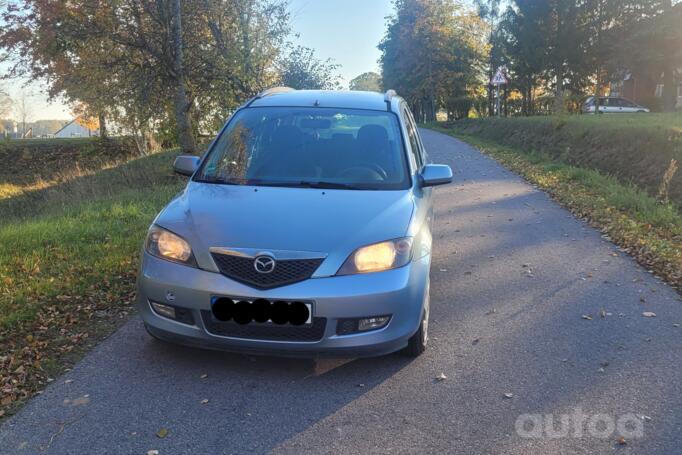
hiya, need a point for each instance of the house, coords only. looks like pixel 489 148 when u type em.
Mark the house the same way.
pixel 8 129
pixel 644 89
pixel 77 128
pixel 659 90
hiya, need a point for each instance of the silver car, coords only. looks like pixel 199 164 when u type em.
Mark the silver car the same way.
pixel 305 229
pixel 612 105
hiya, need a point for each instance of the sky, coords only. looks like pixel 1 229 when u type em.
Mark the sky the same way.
pixel 346 31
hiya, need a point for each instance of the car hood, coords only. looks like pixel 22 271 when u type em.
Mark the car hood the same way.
pixel 331 222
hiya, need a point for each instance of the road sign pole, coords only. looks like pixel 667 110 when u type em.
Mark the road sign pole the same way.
pixel 499 113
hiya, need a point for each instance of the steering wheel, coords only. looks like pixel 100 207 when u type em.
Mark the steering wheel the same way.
pixel 362 172
pixel 367 166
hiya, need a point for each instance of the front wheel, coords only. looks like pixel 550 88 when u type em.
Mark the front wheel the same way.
pixel 416 345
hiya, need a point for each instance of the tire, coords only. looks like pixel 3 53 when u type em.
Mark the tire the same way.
pixel 416 345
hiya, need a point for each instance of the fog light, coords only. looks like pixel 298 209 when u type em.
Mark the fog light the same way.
pixel 164 310
pixel 372 323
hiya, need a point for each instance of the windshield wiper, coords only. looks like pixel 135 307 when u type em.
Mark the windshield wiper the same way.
pixel 329 185
pixel 309 184
pixel 218 180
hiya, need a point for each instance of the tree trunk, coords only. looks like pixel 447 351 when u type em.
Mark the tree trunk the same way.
pixel 597 93
pixel 669 89
pixel 102 125
pixel 559 106
pixel 182 103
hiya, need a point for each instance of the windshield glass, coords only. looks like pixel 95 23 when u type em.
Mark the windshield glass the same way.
pixel 309 147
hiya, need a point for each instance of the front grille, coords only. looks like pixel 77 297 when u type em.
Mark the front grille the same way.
pixel 265 331
pixel 287 271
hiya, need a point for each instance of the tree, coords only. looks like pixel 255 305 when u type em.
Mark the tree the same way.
pixel 526 40
pixel 148 63
pixel 490 12
pixel 23 112
pixel 370 82
pixel 433 54
pixel 5 104
pixel 301 70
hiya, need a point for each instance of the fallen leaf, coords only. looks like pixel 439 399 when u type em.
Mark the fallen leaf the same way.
pixel 80 401
pixel 621 441
pixel 508 395
pixel 649 314
pixel 441 377
pixel 162 433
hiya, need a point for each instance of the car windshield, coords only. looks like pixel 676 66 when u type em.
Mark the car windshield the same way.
pixel 310 148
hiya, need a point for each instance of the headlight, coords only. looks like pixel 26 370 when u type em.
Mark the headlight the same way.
pixel 166 245
pixel 378 257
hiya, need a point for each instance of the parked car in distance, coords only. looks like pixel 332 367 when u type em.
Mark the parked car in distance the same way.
pixel 305 229
pixel 612 105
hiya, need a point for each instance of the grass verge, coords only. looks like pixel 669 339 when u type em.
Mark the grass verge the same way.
pixel 635 148
pixel 68 260
pixel 648 230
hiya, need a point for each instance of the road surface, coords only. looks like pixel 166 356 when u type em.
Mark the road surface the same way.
pixel 513 275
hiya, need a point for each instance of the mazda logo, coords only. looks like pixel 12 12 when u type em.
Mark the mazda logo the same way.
pixel 264 264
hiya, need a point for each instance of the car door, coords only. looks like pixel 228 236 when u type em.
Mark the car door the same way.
pixel 629 106
pixel 610 106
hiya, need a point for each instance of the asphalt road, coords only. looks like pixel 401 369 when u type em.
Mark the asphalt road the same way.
pixel 513 274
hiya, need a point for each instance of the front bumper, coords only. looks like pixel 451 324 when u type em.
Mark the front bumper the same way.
pixel 399 293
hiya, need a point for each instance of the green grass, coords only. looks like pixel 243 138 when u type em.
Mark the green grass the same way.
pixel 62 239
pixel 636 149
pixel 649 230
pixel 68 260
pixel 580 123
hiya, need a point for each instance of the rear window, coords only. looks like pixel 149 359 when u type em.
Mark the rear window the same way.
pixel 309 147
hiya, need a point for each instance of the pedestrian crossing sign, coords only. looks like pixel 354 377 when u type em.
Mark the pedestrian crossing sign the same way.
pixel 499 78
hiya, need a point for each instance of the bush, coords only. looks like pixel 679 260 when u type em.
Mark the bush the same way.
pixel 27 162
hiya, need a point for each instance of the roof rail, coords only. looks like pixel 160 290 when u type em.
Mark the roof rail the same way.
pixel 268 92
pixel 388 97
pixel 274 90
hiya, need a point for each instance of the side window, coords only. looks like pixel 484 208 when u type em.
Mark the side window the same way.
pixel 414 138
pixel 422 149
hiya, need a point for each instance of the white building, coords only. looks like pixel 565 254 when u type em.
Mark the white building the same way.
pixel 75 129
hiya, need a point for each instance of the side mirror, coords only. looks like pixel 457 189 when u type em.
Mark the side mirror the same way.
pixel 186 164
pixel 435 174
